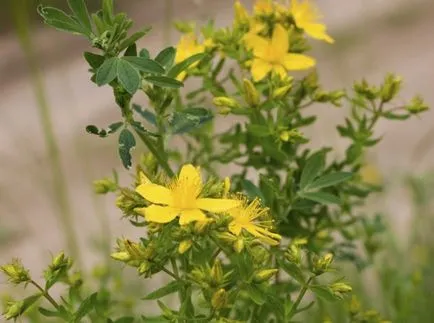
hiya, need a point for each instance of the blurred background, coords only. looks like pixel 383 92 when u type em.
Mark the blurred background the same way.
pixel 46 93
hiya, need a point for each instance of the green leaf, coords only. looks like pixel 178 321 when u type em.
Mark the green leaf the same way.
pixel 154 319
pixel 166 57
pixel 79 9
pixel 324 292
pixel 126 144
pixel 184 65
pixel 258 130
pixel 94 60
pixel 85 307
pixel 170 288
pixel 189 119
pixel 313 167
pixel 255 294
pixel 252 190
pixel 131 50
pixel 133 38
pixel 128 76
pixel 293 270
pixel 126 319
pixel 146 114
pixel 164 81
pixel 108 11
pixel 29 301
pixel 320 197
pixel 145 64
pixel 144 53
pixel 329 180
pixel 107 71
pixel 48 313
pixel 60 20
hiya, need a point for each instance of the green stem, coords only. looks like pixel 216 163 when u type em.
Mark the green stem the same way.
pixel 21 19
pixel 162 160
pixel 300 297
pixel 45 294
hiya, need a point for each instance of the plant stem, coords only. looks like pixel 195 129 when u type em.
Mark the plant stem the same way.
pixel 21 19
pixel 45 294
pixel 162 160
pixel 300 297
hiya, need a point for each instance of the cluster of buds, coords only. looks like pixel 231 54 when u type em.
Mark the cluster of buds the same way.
pixel 333 97
pixel 16 272
pixel 225 104
pixel 416 105
pixel 340 289
pixel 210 277
pixel 322 264
pixel 104 186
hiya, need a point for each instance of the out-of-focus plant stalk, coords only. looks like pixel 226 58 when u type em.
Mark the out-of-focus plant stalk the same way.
pixel 19 9
pixel 168 19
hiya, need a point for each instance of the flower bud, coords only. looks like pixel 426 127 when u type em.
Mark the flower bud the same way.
pixel 185 27
pixel 322 264
pixel 293 254
pixel 217 273
pixel 416 105
pixel 354 306
pixel 184 246
pixel 219 299
pixel 16 272
pixel 251 94
pixel 121 256
pixel 264 275
pixel 340 289
pixel 241 15
pixel 391 87
pixel 144 268
pixel 103 186
pixel 201 226
pixel 281 92
pixel 224 101
pixel 13 310
pixel 239 245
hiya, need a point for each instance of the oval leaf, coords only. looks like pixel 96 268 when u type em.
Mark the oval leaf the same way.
pixel 126 144
pixel 164 81
pixel 321 197
pixel 128 76
pixel 107 71
pixel 185 64
pixel 166 56
pixel 145 64
pixel 79 9
pixel 60 20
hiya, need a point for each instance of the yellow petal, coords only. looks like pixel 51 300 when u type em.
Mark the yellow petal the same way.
pixel 280 70
pixel 264 235
pixel 191 215
pixel 279 42
pixel 160 214
pixel 260 69
pixel 155 193
pixel 259 45
pixel 190 174
pixel 216 205
pixel 318 31
pixel 296 62
pixel 234 228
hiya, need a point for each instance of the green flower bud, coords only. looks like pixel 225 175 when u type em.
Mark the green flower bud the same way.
pixel 322 264
pixel 281 92
pixel 217 273
pixel 340 289
pixel 264 275
pixel 219 299
pixel 251 94
pixel 223 101
pixel 13 310
pixel 238 245
pixel 416 105
pixel 185 27
pixel 121 256
pixel 391 87
pixel 103 186
pixel 16 272
pixel 293 254
pixel 184 246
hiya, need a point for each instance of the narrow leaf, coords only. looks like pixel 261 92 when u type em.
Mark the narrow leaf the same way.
pixel 145 64
pixel 321 197
pixel 258 130
pixel 313 167
pixel 60 20
pixel 107 71
pixel 184 65
pixel 164 81
pixel 255 294
pixel 324 292
pixel 252 190
pixel 329 180
pixel 79 9
pixel 133 38
pixel 85 307
pixel 170 288
pixel 146 114
pixel 108 11
pixel 128 76
pixel 293 270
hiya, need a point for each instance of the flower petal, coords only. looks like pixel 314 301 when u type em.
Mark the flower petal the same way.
pixel 191 215
pixel 217 205
pixel 189 180
pixel 260 69
pixel 279 42
pixel 259 45
pixel 155 193
pixel 264 235
pixel 160 214
pixel 234 228
pixel 296 62
pixel 318 31
pixel 280 70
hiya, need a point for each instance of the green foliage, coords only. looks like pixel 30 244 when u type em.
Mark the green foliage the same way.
pixel 235 250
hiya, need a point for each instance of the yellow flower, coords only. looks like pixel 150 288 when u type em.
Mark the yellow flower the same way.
pixel 181 198
pixel 241 15
pixel 272 55
pixel 307 17
pixel 371 175
pixel 251 36
pixel 187 47
pixel 263 7
pixel 246 216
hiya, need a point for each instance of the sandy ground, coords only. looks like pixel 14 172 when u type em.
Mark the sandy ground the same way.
pixel 372 39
